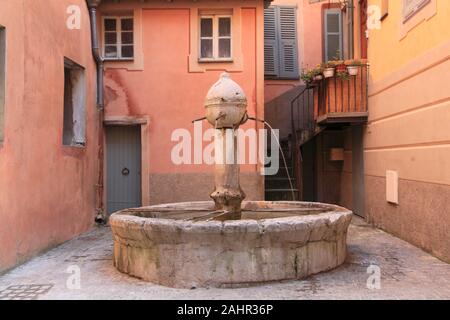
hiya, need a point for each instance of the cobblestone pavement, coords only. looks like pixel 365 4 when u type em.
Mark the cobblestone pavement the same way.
pixel 406 273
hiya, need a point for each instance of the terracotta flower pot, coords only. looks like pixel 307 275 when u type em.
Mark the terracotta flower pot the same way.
pixel 352 70
pixel 328 72
pixel 341 68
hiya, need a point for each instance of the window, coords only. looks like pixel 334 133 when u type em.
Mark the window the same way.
pixel 280 42
pixel 2 80
pixel 411 7
pixel 215 38
pixel 74 126
pixel 333 34
pixel 118 38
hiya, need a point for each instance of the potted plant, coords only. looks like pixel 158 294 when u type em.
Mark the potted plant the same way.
pixel 317 73
pixel 353 67
pixel 307 76
pixel 341 67
pixel 343 75
pixel 328 69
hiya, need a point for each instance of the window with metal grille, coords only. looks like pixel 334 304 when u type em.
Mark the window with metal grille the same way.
pixel 333 35
pixel 280 42
pixel 411 7
pixel 215 38
pixel 118 38
pixel 2 79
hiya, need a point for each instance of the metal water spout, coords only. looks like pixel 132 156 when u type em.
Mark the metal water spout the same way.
pixel 226 110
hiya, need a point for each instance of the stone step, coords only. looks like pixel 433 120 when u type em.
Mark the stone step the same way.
pixel 274 182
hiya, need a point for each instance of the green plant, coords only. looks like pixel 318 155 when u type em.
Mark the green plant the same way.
pixel 343 75
pixel 355 63
pixel 328 64
pixel 337 57
pixel 307 76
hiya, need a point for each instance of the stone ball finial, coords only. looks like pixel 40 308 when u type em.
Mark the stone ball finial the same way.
pixel 226 103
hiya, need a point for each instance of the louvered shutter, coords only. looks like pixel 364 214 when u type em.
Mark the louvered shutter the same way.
pixel 288 42
pixel 271 58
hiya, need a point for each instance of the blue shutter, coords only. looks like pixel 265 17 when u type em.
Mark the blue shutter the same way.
pixel 271 59
pixel 288 48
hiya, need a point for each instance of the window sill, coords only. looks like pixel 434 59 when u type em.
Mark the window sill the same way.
pixel 75 151
pixel 206 60
pixel 281 78
pixel 118 59
pixel 75 146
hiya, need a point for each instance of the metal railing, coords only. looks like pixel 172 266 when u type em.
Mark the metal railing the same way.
pixel 343 94
pixel 303 126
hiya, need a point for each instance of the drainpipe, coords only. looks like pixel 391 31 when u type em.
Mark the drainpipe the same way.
pixel 100 217
pixel 352 27
pixel 93 4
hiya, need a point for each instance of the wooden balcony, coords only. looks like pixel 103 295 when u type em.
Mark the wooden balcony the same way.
pixel 339 101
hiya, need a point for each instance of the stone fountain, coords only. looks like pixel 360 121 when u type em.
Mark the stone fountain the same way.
pixel 228 242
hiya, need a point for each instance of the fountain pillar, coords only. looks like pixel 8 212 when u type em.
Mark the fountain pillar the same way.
pixel 228 194
pixel 226 110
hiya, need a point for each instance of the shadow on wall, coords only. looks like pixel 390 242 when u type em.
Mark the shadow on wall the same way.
pixel 277 112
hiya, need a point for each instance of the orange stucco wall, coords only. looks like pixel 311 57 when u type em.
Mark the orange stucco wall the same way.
pixel 407 132
pixel 47 191
pixel 167 86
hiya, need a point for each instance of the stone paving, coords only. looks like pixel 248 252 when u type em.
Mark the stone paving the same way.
pixel 406 273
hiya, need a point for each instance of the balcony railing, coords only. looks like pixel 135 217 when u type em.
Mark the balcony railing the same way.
pixel 342 100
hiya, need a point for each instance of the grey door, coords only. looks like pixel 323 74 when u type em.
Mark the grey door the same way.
pixel 123 148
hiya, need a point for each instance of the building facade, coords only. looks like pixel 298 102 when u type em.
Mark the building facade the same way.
pixel 177 50
pixel 406 150
pixel 392 167
pixel 49 133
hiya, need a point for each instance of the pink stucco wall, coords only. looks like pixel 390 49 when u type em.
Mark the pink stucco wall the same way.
pixel 166 89
pixel 47 191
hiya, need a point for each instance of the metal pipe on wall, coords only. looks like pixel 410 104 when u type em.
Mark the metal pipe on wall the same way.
pixel 92 5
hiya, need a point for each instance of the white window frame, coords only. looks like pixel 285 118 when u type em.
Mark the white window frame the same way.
pixel 414 9
pixel 119 38
pixel 215 37
pixel 340 33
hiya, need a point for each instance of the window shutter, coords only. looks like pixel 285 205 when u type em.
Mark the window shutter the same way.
pixel 271 60
pixel 333 34
pixel 288 42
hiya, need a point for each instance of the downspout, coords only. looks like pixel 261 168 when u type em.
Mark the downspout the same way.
pixel 352 30
pixel 100 217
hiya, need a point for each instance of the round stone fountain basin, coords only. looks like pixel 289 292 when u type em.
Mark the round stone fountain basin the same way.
pixel 176 246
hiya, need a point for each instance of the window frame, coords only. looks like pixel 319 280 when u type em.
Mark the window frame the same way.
pixel 326 33
pixel 76 112
pixel 215 37
pixel 406 16
pixel 119 43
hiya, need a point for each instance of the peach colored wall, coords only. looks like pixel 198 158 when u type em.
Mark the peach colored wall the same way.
pixel 165 89
pixel 407 132
pixel 47 191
